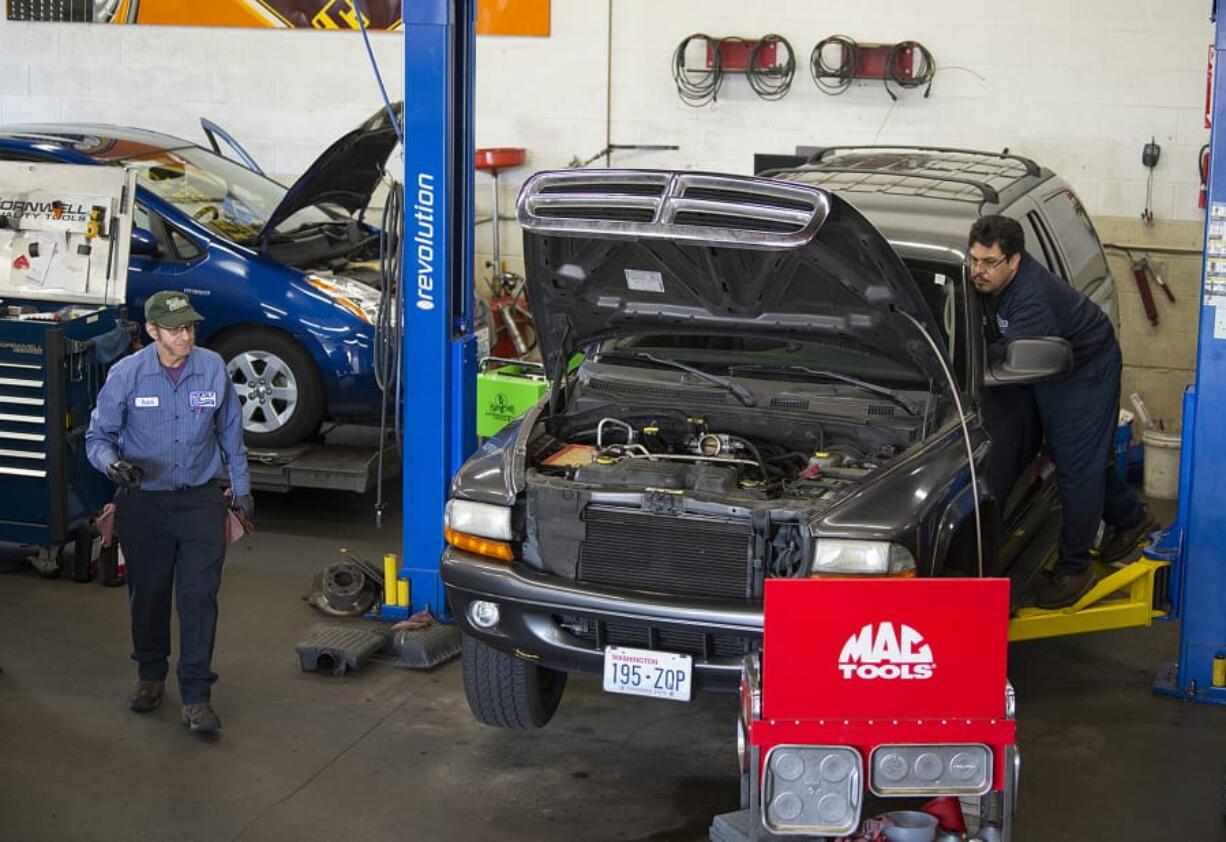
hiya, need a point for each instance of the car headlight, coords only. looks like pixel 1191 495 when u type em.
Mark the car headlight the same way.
pixel 482 528
pixel 350 295
pixel 843 557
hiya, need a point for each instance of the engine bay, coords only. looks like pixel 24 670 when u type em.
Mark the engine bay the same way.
pixel 678 452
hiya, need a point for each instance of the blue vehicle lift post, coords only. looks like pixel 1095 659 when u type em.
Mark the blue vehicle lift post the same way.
pixel 1198 588
pixel 440 350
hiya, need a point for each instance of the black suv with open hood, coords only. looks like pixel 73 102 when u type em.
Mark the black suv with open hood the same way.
pixel 746 382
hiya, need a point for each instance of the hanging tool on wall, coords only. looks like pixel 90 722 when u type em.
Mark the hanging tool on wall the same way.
pixel 1149 157
pixel 1152 271
pixel 1140 272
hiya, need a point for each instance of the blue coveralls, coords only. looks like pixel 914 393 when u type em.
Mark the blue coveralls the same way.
pixel 1078 413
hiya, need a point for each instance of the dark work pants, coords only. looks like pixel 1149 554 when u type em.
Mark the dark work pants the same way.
pixel 1012 420
pixel 174 541
pixel 1079 417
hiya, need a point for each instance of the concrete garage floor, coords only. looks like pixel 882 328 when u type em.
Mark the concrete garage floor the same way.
pixel 391 754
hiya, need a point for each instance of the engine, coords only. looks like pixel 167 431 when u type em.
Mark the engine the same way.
pixel 690 455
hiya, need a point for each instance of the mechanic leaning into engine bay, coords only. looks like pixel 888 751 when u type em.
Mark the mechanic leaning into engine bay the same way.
pixel 1078 414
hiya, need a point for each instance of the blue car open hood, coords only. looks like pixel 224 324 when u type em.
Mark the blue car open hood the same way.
pixel 345 175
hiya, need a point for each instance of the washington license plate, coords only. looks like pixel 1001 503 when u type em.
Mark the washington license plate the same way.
pixel 644 672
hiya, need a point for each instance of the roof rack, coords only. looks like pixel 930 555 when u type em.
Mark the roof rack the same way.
pixel 989 193
pixel 820 152
pixel 983 176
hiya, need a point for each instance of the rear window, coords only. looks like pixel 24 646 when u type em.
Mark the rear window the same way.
pixel 1076 233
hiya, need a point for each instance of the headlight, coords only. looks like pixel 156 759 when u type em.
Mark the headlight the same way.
pixel 481 528
pixel 838 556
pixel 351 296
pixel 483 519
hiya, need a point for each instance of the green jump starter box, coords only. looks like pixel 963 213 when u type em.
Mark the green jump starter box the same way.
pixel 506 389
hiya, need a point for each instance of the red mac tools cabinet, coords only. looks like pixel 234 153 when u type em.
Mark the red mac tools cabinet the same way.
pixel 894 688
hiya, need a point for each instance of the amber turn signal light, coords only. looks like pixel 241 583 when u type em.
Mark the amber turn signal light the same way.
pixel 481 546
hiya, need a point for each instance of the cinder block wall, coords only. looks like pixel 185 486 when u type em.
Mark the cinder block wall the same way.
pixel 1159 360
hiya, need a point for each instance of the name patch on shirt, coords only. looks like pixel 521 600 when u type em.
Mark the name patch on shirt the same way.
pixel 197 400
pixel 147 402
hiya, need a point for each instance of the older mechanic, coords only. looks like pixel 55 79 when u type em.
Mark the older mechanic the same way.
pixel 166 418
pixel 1078 413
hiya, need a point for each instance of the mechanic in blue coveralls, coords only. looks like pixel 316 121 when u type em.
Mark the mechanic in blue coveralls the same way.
pixel 166 421
pixel 1078 413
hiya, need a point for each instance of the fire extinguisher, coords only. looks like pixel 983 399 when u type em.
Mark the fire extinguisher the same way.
pixel 1204 177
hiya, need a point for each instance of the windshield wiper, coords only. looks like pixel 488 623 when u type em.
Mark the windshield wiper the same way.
pixel 739 392
pixel 886 392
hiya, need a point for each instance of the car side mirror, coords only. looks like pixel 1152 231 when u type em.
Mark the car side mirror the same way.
pixel 1032 359
pixel 144 243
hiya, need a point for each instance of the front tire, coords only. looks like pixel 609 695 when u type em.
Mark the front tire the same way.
pixel 509 692
pixel 279 388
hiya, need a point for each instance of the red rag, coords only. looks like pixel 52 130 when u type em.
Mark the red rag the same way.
pixel 948 812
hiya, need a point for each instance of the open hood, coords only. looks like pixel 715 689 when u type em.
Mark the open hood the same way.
pixel 621 252
pixel 346 174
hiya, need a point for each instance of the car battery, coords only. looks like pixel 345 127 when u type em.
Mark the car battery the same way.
pixel 64 244
pixel 506 389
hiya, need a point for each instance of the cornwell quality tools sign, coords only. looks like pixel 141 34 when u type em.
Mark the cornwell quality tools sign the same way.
pixel 31 212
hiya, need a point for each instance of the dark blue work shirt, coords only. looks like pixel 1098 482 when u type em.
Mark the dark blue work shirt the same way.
pixel 177 433
pixel 1037 303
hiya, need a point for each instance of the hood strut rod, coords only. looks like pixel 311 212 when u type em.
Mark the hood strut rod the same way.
pixel 966 433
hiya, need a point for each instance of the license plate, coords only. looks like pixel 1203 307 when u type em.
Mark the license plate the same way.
pixel 643 672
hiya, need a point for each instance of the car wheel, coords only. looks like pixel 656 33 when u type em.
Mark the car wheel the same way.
pixel 509 692
pixel 279 388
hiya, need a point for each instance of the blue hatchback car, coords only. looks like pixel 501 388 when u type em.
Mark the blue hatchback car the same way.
pixel 287 279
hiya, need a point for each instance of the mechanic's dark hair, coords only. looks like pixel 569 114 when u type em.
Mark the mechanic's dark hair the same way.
pixel 995 229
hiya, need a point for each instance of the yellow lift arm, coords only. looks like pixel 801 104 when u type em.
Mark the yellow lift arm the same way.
pixel 1121 599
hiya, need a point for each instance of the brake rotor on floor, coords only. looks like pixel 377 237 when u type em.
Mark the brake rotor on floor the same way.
pixel 342 590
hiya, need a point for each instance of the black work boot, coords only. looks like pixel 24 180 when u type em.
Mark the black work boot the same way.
pixel 1060 590
pixel 201 717
pixel 1123 541
pixel 147 696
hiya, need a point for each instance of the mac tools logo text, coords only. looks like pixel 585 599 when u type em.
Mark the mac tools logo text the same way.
pixel 878 651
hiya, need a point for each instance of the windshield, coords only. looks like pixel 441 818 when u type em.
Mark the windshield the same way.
pixel 942 285
pixel 224 196
pixel 739 355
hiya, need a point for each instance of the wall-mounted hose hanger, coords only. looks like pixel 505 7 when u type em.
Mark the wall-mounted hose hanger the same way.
pixel 838 60
pixel 700 64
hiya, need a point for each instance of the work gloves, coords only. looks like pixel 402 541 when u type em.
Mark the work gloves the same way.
pixel 244 503
pixel 124 474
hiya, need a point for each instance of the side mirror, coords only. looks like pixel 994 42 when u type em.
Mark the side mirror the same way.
pixel 1032 359
pixel 144 243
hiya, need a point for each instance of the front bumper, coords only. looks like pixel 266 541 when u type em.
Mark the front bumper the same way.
pixel 565 625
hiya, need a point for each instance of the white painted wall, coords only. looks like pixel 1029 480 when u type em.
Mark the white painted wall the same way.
pixel 1078 84
pixel 284 95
